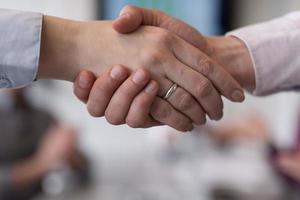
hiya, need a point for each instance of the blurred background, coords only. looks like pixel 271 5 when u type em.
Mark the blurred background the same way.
pixel 251 154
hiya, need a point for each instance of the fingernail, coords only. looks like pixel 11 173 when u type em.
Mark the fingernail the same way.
pixel 83 82
pixel 238 96
pixel 139 77
pixel 117 72
pixel 151 87
pixel 124 15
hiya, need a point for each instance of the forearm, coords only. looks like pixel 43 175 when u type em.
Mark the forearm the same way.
pixel 58 54
pixel 26 173
pixel 67 47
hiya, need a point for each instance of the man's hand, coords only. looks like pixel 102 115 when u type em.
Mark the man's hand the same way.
pixel 230 52
pixel 134 97
pixel 133 17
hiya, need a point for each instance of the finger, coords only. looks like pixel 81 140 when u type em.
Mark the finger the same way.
pixel 132 17
pixel 83 85
pixel 163 112
pixel 104 88
pixel 119 104
pixel 185 103
pixel 199 86
pixel 200 62
pixel 139 113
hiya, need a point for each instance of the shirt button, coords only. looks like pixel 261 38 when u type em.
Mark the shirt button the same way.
pixel 4 83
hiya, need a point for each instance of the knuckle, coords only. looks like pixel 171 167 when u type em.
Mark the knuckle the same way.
pixel 182 71
pixel 113 119
pixel 185 102
pixel 203 89
pixel 164 37
pixel 161 112
pixel 153 58
pixel 205 66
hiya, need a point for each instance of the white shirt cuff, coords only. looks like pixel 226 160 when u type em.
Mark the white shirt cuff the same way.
pixel 20 38
pixel 274 47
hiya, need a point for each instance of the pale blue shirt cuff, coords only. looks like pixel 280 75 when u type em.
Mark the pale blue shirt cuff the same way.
pixel 20 39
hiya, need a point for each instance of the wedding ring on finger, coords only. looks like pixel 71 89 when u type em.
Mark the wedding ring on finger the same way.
pixel 171 91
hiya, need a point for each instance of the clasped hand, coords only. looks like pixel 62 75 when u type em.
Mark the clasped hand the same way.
pixel 134 71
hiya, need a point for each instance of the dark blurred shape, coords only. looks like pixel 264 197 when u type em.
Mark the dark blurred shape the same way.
pixel 224 193
pixel 32 145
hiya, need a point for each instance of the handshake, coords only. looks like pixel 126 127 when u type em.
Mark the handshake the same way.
pixel 146 68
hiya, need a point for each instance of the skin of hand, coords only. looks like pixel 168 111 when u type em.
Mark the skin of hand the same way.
pixel 69 45
pixel 230 52
pixel 133 96
pixel 55 149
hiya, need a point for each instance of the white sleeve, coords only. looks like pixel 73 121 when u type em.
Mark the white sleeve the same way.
pixel 275 51
pixel 20 36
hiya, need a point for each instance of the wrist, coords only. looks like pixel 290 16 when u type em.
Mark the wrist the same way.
pixel 234 56
pixel 59 49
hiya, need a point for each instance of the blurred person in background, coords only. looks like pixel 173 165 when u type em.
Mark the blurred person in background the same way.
pixel 33 144
pixel 252 128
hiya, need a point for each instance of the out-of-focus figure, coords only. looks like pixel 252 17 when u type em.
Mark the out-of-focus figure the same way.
pixel 285 163
pixel 32 146
pixel 229 160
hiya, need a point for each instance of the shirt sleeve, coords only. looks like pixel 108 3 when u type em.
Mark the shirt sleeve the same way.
pixel 274 47
pixel 20 38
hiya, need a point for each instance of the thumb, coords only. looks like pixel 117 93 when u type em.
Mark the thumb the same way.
pixel 132 17
pixel 129 20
